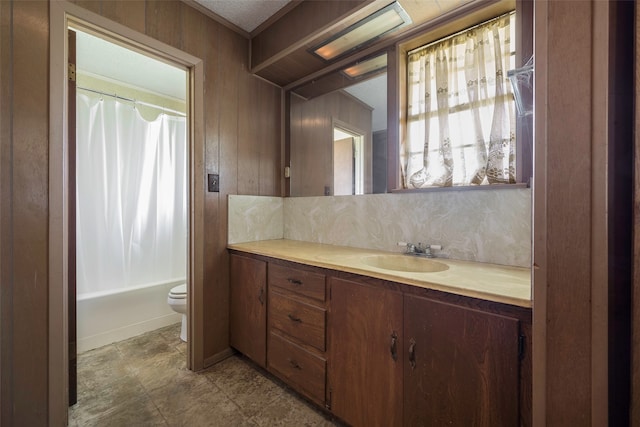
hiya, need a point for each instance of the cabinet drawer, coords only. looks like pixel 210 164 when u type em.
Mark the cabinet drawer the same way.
pixel 299 281
pixel 297 319
pixel 298 366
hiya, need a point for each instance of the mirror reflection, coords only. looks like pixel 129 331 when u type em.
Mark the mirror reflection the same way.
pixel 338 134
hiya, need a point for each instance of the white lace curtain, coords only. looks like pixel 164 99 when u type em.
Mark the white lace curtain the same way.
pixel 460 109
pixel 131 196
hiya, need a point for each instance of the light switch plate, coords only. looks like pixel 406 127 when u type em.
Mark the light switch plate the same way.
pixel 213 183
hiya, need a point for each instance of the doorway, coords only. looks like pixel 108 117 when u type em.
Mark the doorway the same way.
pixel 128 193
pixel 62 16
pixel 348 161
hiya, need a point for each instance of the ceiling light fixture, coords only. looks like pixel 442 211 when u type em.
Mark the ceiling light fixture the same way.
pixel 366 67
pixel 363 32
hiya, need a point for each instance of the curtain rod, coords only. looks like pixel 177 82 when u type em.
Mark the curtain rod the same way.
pixel 159 107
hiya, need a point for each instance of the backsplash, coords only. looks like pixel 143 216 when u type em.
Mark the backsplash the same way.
pixel 468 224
pixel 254 218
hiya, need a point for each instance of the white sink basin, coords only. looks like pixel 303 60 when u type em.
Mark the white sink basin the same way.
pixel 406 263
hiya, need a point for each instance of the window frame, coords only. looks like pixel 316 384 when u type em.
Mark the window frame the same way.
pixel 397 88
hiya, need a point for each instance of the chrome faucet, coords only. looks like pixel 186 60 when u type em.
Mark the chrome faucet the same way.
pixel 420 249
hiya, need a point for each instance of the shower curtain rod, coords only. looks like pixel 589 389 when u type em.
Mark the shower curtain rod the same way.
pixel 169 110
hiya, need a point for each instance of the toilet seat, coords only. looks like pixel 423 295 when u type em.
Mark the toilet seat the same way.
pixel 178 292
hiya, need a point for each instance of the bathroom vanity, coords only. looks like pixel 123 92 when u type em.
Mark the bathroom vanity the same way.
pixel 376 340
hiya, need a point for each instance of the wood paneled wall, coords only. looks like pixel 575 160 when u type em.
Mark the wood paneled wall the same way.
pixel 242 144
pixel 379 163
pixel 581 205
pixel 311 133
pixel 24 212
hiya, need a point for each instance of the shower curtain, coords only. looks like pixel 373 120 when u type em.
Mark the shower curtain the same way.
pixel 131 196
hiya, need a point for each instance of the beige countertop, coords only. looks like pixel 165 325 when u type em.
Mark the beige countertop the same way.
pixel 499 283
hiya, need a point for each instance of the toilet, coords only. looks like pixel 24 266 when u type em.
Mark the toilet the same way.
pixel 177 300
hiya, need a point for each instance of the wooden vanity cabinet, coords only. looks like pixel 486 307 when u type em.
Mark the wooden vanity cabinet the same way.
pixel 296 331
pixel 379 353
pixel 461 366
pixel 248 307
pixel 366 354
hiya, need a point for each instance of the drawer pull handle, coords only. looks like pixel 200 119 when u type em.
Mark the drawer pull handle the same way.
pixel 261 296
pixel 295 282
pixel 294 364
pixel 294 318
pixel 394 346
pixel 412 353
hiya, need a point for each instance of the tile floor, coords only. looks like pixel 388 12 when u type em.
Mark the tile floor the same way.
pixel 143 381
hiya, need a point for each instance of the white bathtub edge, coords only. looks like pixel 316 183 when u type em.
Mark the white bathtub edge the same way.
pixel 119 334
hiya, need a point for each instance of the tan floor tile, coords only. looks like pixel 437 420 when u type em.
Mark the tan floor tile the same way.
pixel 172 336
pixel 233 374
pixel 243 384
pixel 181 394
pixel 257 394
pixel 289 411
pixel 145 346
pixel 140 412
pixel 98 400
pixel 156 371
pixel 101 366
pixel 210 409
pixel 144 381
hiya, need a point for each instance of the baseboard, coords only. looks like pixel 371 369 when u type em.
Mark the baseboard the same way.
pixel 218 357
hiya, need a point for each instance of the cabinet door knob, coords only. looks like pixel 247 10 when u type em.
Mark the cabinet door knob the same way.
pixel 295 282
pixel 261 296
pixel 394 346
pixel 412 353
pixel 294 318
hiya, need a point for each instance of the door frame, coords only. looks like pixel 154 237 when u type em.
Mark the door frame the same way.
pixel 363 140
pixel 61 14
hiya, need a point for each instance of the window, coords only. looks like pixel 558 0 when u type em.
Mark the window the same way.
pixel 460 118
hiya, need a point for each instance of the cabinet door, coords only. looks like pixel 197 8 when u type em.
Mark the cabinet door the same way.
pixel 248 309
pixel 365 364
pixel 461 366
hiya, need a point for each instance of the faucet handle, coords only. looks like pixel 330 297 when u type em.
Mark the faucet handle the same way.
pixel 411 248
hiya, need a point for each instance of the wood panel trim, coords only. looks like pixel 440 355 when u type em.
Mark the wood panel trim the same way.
pixel 635 363
pixel 275 17
pixel 599 216
pixel 218 357
pixel 72 179
pixel 396 94
pixel 61 12
pixel 195 326
pixel 568 266
pixel 58 217
pixel 302 24
pixel 539 258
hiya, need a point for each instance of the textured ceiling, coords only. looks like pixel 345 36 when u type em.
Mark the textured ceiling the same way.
pixel 246 14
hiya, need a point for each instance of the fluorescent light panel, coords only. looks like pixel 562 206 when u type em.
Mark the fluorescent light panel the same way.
pixel 366 67
pixel 370 28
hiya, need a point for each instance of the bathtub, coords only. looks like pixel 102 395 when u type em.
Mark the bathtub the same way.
pixel 110 316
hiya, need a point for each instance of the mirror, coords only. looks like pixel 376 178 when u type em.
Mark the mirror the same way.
pixel 338 133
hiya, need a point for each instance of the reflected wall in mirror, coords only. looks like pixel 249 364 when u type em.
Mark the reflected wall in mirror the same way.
pixel 355 111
